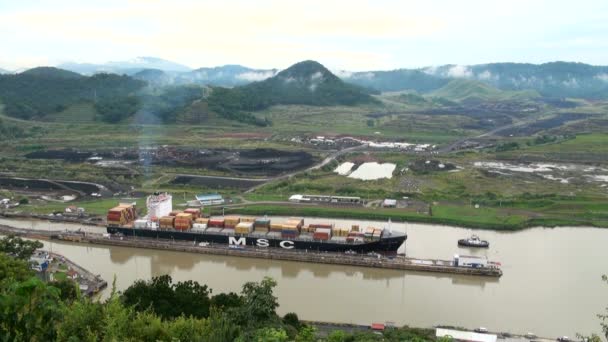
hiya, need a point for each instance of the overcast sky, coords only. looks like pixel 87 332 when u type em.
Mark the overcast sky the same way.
pixel 352 35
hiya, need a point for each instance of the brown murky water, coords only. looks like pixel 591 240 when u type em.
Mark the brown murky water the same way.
pixel 551 284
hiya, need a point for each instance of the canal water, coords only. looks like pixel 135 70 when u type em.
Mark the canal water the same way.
pixel 551 284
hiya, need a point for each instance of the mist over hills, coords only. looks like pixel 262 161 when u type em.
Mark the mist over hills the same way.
pixel 555 79
pixel 128 67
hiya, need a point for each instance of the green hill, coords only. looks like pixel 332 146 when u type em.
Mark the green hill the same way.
pixel 463 90
pixel 41 93
pixel 305 83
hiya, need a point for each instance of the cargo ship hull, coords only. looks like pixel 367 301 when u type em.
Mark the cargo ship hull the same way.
pixel 385 244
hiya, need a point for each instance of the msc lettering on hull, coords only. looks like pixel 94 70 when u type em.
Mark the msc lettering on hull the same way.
pixel 242 241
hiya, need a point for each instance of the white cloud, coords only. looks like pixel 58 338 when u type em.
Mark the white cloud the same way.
pixel 486 75
pixel 602 77
pixel 316 76
pixel 255 75
pixel 460 71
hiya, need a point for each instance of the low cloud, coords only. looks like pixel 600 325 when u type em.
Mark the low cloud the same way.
pixel 460 71
pixel 486 75
pixel 602 77
pixel 255 75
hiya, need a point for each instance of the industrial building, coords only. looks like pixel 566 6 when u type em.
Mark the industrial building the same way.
pixel 210 199
pixel 348 200
pixel 389 203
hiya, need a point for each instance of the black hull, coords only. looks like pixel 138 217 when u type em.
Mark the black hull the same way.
pixel 465 243
pixel 389 244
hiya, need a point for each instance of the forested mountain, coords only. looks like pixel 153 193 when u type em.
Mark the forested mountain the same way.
pixel 465 90
pixel 307 83
pixel 224 76
pixel 556 79
pixel 39 92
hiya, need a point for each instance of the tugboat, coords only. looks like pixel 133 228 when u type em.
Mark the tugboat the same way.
pixel 473 241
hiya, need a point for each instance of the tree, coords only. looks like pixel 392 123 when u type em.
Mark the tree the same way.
pixel 169 300
pixel 291 318
pixel 19 248
pixel 307 334
pixel 13 269
pixel 226 300
pixel 337 336
pixel 259 301
pixel 82 321
pixel 29 311
pixel 270 335
pixel 68 290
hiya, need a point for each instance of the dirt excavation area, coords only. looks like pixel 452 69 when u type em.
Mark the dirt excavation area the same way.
pixel 255 162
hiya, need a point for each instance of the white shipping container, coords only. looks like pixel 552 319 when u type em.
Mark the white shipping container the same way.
pixel 323 230
pixel 140 224
pixel 199 226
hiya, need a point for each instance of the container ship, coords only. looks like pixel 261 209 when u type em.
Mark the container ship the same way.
pixel 162 222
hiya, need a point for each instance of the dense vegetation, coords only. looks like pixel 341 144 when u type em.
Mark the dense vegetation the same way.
pixel 306 83
pixel 39 92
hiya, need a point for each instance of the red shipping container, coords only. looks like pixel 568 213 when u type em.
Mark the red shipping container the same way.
pixel 217 223
pixel 320 236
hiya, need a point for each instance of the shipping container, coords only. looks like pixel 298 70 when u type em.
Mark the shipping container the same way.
pixel 140 224
pixel 276 227
pixel 218 223
pixel 244 228
pixel 355 228
pixel 184 216
pixel 202 220
pixel 175 212
pixel 196 213
pixel 321 236
pixel 248 219
pixel 321 225
pixel 166 222
pixel 199 226
pixel 262 222
pixel 228 231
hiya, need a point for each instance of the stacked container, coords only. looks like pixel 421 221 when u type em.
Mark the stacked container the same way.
pixel 244 228
pixel 355 236
pixel 231 221
pixel 322 234
pixel 183 221
pixel 121 215
pixel 200 227
pixel 296 221
pixel 339 232
pixel 377 234
pixel 355 228
pixel 166 222
pixel 196 213
pixel 201 220
pixel 261 225
pixel 248 219
pixel 276 227
pixel 175 212
pixel 290 230
pixel 141 224
pixel 216 223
